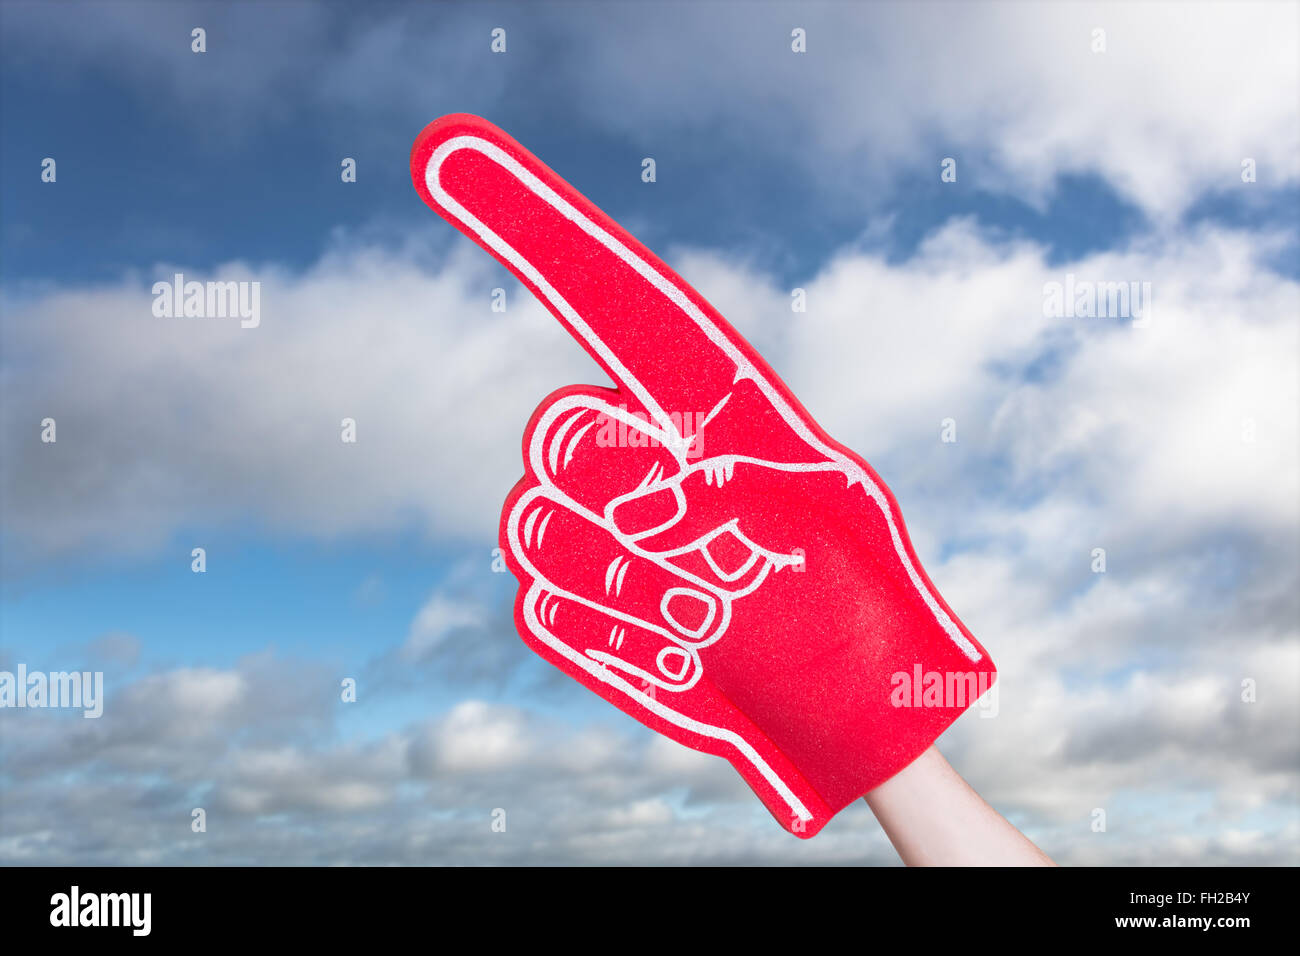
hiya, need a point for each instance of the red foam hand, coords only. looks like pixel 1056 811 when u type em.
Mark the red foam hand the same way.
pixel 691 545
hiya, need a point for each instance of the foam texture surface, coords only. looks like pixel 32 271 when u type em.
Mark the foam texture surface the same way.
pixel 690 545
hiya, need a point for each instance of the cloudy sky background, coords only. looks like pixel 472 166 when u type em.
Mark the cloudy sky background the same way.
pixel 1173 446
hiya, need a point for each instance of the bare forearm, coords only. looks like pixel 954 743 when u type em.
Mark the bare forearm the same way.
pixel 934 818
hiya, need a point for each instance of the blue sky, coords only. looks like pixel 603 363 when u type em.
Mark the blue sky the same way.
pixel 774 170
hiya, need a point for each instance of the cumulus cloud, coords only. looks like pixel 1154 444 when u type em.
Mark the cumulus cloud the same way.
pixel 1014 91
pixel 168 422
pixel 1170 444
pixel 424 794
pixel 440 617
pixel 160 420
pixel 569 793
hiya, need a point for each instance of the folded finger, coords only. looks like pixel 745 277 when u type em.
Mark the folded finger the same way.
pixel 633 650
pixel 583 559
pixel 594 451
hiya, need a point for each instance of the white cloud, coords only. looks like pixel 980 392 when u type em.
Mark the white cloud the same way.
pixel 1183 93
pixel 475 736
pixel 1188 425
pixel 440 616
pixel 1116 688
pixel 194 697
pixel 164 421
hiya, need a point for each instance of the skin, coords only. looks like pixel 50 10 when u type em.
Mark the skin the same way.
pixel 933 818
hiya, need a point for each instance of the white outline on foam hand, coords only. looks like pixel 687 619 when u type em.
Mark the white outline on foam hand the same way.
pixel 668 435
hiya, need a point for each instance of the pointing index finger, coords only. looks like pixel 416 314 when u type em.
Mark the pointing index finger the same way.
pixel 650 331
